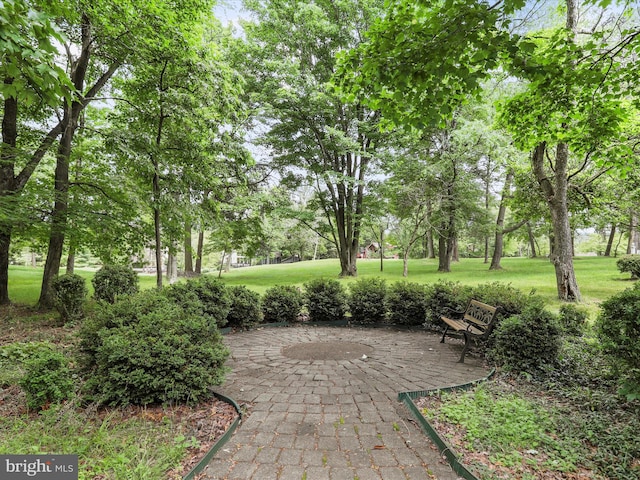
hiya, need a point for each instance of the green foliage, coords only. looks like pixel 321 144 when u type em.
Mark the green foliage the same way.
pixel 69 294
pixel 47 378
pixel 367 301
pixel 28 40
pixel 573 319
pixel 112 281
pixel 444 295
pixel 147 349
pixel 13 356
pixel 326 300
pixel 506 424
pixel 281 303
pixel 631 264
pixel 527 342
pixel 512 300
pixel 618 327
pixel 145 449
pixel 205 295
pixel 406 303
pixel 245 311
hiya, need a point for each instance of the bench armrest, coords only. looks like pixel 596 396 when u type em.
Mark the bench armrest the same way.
pixel 450 312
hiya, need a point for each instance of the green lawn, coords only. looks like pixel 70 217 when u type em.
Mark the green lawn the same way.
pixel 598 277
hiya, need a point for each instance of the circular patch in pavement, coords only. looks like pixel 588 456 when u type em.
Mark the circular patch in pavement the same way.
pixel 327 351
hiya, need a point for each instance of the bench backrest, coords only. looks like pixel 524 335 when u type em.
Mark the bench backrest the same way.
pixel 480 315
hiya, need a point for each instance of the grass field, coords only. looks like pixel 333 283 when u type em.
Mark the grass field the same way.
pixel 598 277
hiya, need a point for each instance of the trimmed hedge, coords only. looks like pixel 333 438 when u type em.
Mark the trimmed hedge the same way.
pixel 528 342
pixel 281 303
pixel 204 295
pixel 69 295
pixel 245 311
pixel 326 300
pixel 367 301
pixel 146 349
pixel 618 328
pixel 113 281
pixel 406 303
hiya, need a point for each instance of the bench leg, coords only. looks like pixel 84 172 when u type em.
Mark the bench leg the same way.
pixel 466 347
pixel 445 332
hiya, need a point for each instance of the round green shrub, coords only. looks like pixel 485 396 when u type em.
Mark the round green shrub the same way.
pixel 146 349
pixel 245 309
pixel 443 296
pixel 69 294
pixel 112 281
pixel 631 264
pixel 47 378
pixel 618 327
pixel 497 294
pixel 281 303
pixel 406 303
pixel 573 319
pixel 367 301
pixel 528 342
pixel 202 296
pixel 326 300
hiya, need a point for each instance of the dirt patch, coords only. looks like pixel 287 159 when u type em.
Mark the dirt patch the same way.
pixel 327 351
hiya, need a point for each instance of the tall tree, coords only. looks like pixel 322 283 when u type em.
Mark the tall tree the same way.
pixel 329 143
pixel 170 127
pixel 30 82
pixel 424 59
pixel 101 38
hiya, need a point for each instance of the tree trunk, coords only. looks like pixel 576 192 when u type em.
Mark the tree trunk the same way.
pixel 59 213
pixel 71 258
pixel 5 242
pixel 612 234
pixel 405 263
pixel 7 185
pixel 502 210
pixel 431 251
pixel 188 251
pixel 172 267
pixel 61 185
pixel 446 243
pixel 199 252
pixel 556 196
pixel 632 244
pixel 158 242
pixel 532 241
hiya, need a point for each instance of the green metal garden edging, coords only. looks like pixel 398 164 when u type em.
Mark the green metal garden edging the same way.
pixel 408 397
pixel 204 461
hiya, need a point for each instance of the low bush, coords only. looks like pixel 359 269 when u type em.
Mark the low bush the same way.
pixel 326 300
pixel 443 296
pixel 281 303
pixel 406 303
pixel 14 355
pixel 202 296
pixel 245 309
pixel 47 378
pixel 147 349
pixel 367 301
pixel 631 264
pixel 618 328
pixel 512 300
pixel 112 281
pixel 573 319
pixel 69 295
pixel 528 342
